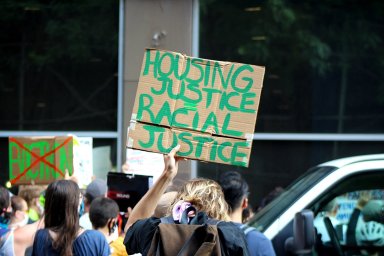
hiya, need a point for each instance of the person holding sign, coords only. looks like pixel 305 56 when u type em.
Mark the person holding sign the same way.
pixel 203 194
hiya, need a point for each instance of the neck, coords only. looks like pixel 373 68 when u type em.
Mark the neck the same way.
pixel 105 232
pixel 237 215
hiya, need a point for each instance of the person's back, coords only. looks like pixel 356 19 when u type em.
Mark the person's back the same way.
pixel 62 234
pixel 89 242
pixel 236 195
pixel 203 194
pixel 6 236
pixel 231 239
pixel 103 214
pixel 23 238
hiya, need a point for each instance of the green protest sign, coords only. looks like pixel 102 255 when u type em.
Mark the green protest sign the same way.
pixel 39 160
pixel 208 107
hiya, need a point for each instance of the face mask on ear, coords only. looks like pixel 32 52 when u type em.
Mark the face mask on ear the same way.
pixel 113 231
pixel 21 223
pixel 81 208
pixel 24 221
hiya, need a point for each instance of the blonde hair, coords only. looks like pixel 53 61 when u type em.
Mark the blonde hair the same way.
pixel 206 195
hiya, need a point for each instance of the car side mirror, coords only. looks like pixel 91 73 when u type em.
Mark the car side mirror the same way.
pixel 303 238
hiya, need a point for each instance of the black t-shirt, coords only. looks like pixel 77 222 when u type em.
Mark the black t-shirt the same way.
pixel 139 237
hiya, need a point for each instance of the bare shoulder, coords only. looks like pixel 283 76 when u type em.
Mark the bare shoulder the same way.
pixel 27 233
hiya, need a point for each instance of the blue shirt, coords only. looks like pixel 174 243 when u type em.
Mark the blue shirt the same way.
pixel 90 242
pixel 258 244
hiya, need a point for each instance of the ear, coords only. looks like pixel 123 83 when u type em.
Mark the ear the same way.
pixel 18 214
pixel 111 222
pixel 244 203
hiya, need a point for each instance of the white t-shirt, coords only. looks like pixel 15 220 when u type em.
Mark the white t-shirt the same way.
pixel 85 222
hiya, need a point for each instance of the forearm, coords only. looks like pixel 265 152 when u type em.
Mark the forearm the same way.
pixel 147 204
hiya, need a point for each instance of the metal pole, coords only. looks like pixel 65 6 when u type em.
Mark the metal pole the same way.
pixel 120 89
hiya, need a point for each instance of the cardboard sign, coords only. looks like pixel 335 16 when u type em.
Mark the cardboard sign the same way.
pixel 127 189
pixel 41 160
pixel 208 107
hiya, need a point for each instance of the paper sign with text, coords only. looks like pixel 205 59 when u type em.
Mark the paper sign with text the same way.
pixel 208 107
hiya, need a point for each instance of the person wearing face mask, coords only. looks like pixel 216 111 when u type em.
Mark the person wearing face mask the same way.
pixel 19 217
pixel 6 236
pixel 103 214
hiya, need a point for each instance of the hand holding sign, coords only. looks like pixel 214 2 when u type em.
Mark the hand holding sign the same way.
pixel 171 162
pixel 72 177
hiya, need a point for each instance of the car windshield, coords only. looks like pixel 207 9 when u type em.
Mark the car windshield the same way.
pixel 273 210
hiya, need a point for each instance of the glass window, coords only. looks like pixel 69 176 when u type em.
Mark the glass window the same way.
pixel 278 163
pixel 355 220
pixel 323 60
pixel 58 65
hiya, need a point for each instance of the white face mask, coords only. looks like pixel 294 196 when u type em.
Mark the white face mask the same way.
pixel 114 235
pixel 24 221
pixel 21 223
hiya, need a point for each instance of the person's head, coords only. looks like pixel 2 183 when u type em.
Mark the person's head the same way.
pixel 96 188
pixel 62 204
pixel 373 211
pixel 277 191
pixel 103 213
pixel 206 195
pixel 247 213
pixel 162 206
pixel 19 215
pixel 235 190
pixel 31 194
pixel 331 208
pixel 5 205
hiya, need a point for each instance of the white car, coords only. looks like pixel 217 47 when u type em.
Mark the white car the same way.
pixel 343 180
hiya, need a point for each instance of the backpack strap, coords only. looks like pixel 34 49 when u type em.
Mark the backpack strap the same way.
pixel 167 220
pixel 246 229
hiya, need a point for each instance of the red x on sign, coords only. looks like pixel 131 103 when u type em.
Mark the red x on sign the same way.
pixel 38 159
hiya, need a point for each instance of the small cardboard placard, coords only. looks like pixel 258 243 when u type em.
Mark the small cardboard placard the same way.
pixel 208 107
pixel 41 160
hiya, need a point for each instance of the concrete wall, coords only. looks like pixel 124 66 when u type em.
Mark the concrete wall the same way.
pixel 171 21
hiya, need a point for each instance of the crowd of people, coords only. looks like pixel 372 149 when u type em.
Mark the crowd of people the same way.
pixel 60 219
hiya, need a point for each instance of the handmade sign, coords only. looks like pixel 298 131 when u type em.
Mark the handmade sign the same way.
pixel 41 160
pixel 208 107
pixel 144 163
